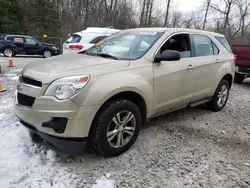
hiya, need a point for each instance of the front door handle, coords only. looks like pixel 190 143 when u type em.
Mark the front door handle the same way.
pixel 217 61
pixel 190 67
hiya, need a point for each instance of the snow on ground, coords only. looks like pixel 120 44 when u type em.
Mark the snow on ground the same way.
pixel 25 164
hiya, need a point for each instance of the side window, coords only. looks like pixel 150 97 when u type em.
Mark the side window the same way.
pixel 97 39
pixel 225 43
pixel 30 41
pixel 180 43
pixel 204 46
pixel 18 40
pixel 9 38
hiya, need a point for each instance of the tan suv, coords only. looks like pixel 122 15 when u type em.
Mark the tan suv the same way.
pixel 104 95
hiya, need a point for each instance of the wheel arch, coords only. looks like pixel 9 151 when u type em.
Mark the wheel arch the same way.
pixel 132 96
pixel 229 78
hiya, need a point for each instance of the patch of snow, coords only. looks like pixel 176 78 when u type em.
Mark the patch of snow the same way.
pixel 104 182
pixel 51 155
pixel 12 76
pixel 24 164
pixel 17 70
pixel 1 116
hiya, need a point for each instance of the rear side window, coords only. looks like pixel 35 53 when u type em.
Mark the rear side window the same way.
pixel 204 46
pixel 74 39
pixel 224 42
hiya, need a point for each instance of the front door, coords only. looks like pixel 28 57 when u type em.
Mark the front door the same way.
pixel 174 80
pixel 31 46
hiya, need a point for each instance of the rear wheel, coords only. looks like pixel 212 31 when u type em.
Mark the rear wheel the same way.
pixel 239 78
pixel 47 54
pixel 116 127
pixel 220 97
pixel 8 52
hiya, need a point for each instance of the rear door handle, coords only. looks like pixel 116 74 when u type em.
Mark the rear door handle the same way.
pixel 217 61
pixel 190 67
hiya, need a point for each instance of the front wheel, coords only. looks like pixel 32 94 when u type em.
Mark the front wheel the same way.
pixel 47 54
pixel 220 97
pixel 116 127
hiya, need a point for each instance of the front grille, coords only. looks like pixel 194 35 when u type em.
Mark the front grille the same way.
pixel 30 81
pixel 25 100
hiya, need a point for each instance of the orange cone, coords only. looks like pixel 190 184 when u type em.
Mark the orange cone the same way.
pixel 1 87
pixel 11 64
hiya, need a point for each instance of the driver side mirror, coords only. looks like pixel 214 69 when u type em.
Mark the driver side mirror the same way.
pixel 37 44
pixel 168 55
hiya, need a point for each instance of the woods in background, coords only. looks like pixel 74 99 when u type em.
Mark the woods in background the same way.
pixel 61 17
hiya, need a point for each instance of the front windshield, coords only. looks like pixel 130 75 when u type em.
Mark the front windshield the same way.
pixel 125 46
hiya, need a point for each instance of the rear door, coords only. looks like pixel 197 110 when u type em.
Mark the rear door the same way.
pixel 207 63
pixel 31 46
pixel 19 43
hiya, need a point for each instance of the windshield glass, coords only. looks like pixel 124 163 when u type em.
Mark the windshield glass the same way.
pixel 125 46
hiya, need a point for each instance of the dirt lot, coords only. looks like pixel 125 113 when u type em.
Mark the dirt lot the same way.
pixel 188 148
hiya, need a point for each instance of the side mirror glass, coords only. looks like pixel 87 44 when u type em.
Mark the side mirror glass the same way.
pixel 168 55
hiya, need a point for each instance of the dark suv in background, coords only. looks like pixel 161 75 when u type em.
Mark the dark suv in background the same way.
pixel 10 45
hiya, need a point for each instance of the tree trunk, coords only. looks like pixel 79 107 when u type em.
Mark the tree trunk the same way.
pixel 167 13
pixel 205 19
pixel 142 12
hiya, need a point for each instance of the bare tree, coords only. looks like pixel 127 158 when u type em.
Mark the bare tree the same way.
pixel 208 2
pixel 176 19
pixel 243 7
pixel 167 13
pixel 225 9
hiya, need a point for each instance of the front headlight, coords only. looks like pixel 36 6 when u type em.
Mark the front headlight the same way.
pixel 67 87
pixel 55 48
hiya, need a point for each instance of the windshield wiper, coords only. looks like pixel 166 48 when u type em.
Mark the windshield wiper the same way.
pixel 108 55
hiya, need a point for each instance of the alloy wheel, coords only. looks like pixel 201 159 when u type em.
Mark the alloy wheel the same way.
pixel 222 95
pixel 121 129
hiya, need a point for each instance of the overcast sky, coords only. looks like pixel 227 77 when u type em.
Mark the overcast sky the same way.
pixel 187 5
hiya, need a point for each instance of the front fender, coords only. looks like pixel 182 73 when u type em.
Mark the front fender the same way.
pixel 106 86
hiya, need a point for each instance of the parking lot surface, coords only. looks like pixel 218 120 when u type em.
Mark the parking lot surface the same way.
pixel 188 148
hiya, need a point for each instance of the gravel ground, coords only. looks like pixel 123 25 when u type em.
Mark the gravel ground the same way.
pixel 187 148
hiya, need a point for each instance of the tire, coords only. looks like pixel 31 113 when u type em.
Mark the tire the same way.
pixel 47 54
pixel 34 137
pixel 215 105
pixel 103 123
pixel 8 52
pixel 239 78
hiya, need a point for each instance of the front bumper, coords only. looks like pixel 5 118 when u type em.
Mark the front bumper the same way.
pixel 46 108
pixel 73 146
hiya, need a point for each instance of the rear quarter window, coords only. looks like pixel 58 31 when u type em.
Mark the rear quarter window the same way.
pixel 74 39
pixel 224 42
pixel 9 38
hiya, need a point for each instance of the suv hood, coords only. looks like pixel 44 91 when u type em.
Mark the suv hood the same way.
pixel 53 68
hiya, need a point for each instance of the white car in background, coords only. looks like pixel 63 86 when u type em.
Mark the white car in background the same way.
pixel 85 39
